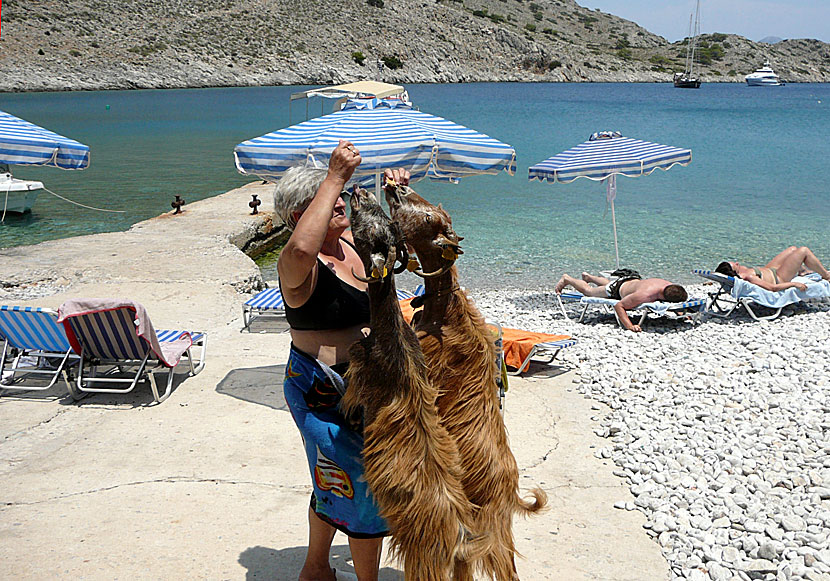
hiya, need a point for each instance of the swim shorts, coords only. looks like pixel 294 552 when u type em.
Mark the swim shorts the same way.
pixel 341 495
pixel 612 289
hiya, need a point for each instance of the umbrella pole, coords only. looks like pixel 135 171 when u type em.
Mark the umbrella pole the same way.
pixel 611 194
pixel 616 247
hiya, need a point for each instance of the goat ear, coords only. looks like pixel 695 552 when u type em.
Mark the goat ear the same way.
pixel 440 207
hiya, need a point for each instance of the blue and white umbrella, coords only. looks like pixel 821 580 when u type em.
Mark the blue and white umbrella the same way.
pixel 24 143
pixel 604 156
pixel 389 133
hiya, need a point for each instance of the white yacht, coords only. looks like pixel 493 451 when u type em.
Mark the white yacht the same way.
pixel 16 195
pixel 763 77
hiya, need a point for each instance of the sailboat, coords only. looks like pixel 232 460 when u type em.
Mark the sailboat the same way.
pixel 687 79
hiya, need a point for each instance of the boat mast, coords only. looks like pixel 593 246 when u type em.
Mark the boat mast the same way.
pixel 696 33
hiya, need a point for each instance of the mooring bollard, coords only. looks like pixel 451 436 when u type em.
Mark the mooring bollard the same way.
pixel 177 203
pixel 254 203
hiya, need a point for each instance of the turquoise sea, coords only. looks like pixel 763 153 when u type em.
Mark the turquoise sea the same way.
pixel 759 179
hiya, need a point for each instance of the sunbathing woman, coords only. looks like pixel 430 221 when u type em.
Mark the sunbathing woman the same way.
pixel 779 272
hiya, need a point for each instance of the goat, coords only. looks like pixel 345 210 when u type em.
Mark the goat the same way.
pixel 410 461
pixel 460 355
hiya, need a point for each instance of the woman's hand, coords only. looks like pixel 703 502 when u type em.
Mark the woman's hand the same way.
pixel 800 286
pixel 344 160
pixel 400 176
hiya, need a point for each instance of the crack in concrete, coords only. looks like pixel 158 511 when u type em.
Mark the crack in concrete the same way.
pixel 38 425
pixel 170 480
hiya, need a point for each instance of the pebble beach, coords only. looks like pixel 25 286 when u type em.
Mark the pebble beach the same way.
pixel 719 428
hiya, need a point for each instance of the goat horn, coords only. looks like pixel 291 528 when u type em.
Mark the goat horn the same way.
pixel 362 278
pixel 438 272
pixel 403 256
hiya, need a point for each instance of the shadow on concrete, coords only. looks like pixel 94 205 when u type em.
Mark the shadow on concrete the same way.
pixel 285 564
pixel 54 393
pixel 259 385
pixel 140 396
pixel 542 370
pixel 267 325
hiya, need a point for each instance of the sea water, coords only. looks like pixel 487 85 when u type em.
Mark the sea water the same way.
pixel 758 180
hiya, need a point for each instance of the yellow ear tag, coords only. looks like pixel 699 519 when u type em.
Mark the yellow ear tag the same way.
pixel 412 265
pixel 385 272
pixel 375 273
pixel 449 254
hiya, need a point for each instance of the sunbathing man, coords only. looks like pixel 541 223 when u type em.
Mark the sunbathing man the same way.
pixel 629 289
pixel 779 272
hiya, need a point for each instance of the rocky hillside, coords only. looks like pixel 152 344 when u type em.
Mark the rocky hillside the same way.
pixel 115 44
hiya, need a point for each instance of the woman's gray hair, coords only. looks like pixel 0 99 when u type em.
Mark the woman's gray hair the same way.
pixel 295 190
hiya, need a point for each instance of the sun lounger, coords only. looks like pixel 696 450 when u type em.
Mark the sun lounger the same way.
pixel 691 309
pixel 118 346
pixel 34 335
pixel 523 347
pixel 267 303
pixel 733 292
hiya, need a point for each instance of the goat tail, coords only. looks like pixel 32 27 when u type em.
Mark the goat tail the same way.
pixel 529 506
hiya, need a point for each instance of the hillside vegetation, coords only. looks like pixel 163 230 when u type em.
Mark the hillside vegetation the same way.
pixel 108 44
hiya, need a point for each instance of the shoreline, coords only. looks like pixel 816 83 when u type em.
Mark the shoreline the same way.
pixel 64 89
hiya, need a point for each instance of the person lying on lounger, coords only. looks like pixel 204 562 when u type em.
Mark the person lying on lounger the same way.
pixel 629 288
pixel 779 272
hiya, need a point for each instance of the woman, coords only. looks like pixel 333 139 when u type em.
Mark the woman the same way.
pixel 779 272
pixel 327 309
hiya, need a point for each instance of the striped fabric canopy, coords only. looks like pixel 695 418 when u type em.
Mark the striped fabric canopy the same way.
pixel 389 133
pixel 609 153
pixel 24 143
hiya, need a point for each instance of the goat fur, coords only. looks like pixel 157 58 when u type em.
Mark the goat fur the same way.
pixel 460 353
pixel 410 462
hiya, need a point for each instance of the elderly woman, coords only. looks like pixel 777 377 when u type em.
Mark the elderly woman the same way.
pixel 327 309
pixel 779 272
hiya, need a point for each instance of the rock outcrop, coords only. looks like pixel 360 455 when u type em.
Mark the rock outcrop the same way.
pixel 125 44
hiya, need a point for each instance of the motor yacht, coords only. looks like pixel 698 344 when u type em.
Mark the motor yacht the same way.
pixel 763 77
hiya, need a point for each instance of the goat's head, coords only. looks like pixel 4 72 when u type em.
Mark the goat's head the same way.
pixel 378 240
pixel 427 228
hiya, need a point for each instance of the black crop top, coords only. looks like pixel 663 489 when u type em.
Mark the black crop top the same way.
pixel 334 304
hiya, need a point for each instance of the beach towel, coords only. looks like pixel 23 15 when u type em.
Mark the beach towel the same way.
pixel 517 344
pixel 777 299
pixel 168 353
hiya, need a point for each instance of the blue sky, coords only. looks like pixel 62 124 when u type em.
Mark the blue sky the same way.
pixel 754 19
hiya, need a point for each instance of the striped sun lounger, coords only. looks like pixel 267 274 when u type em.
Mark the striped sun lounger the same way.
pixel 32 332
pixel 118 347
pixel 759 303
pixel 692 308
pixel 267 303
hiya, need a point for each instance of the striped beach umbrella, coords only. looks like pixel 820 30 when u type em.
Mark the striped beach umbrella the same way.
pixel 603 157
pixel 389 133
pixel 24 143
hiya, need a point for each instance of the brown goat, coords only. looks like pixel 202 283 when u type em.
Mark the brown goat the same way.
pixel 460 354
pixel 410 461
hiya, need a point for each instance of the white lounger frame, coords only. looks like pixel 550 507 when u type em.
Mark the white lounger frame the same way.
pixel 84 382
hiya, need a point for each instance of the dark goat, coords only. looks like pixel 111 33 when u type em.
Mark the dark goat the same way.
pixel 410 461
pixel 460 355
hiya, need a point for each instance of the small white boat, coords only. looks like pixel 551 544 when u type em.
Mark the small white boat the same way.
pixel 763 77
pixel 16 195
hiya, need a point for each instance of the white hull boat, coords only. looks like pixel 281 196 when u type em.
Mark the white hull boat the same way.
pixel 16 195
pixel 763 77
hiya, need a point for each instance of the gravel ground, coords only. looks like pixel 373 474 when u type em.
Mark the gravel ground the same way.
pixel 721 429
